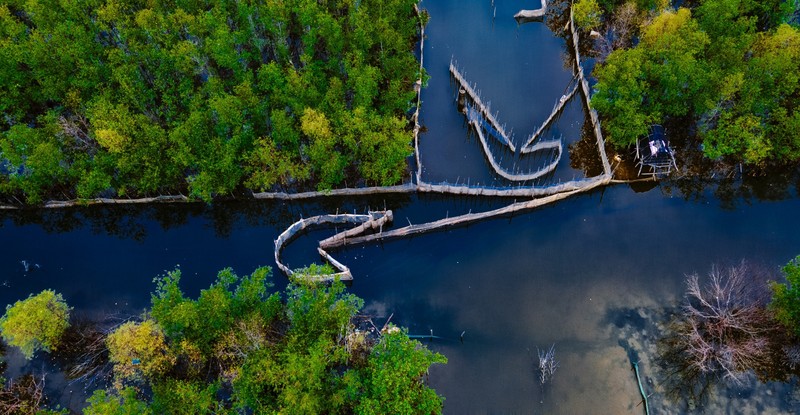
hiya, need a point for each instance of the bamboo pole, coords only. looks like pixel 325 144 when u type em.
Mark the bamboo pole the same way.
pixel 505 173
pixel 482 107
pixel 475 217
pixel 359 191
pixel 595 120
pixel 53 204
pixel 558 108
pixel 530 15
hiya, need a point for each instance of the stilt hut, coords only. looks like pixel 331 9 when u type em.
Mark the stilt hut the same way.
pixel 655 152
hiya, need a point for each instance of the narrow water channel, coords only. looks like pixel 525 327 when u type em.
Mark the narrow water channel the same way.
pixel 586 274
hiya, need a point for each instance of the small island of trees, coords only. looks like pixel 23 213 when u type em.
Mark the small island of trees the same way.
pixel 130 98
pixel 725 70
pixel 236 349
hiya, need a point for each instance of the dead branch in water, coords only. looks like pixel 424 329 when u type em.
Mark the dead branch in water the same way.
pixel 547 364
pixel 723 331
pixel 23 396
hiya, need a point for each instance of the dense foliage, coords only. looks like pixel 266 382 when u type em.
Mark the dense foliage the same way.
pixel 786 297
pixel 587 13
pixel 36 323
pixel 127 97
pixel 728 66
pixel 138 349
pixel 240 349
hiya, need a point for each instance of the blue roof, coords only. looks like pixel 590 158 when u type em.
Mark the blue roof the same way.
pixel 657 133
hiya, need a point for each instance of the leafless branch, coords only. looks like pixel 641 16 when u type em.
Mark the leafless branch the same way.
pixel 25 396
pixel 77 128
pixel 724 327
pixel 547 364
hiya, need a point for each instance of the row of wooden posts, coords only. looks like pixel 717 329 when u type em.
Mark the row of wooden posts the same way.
pixel 367 225
pixel 376 220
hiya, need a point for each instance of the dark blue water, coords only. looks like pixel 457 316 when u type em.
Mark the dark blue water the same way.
pixel 562 274
pixel 553 275
pixel 519 70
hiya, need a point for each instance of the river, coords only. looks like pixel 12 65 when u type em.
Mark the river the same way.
pixel 587 274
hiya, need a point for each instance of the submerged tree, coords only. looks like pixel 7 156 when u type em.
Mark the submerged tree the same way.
pixel 547 364
pixel 723 331
pixel 24 396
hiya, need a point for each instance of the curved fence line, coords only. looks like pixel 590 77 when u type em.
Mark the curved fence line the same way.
pixel 372 220
pixel 473 120
pixel 562 102
pixel 482 107
pixel 488 127
pixel 532 15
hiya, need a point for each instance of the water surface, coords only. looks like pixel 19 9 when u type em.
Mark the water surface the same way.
pixel 581 274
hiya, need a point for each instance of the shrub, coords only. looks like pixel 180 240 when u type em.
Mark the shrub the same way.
pixel 587 14
pixel 786 297
pixel 138 349
pixel 36 323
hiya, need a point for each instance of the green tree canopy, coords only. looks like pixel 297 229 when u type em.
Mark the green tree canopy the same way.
pixel 587 13
pixel 300 355
pixel 137 350
pixel 730 66
pixel 123 403
pixel 240 348
pixel 36 323
pixel 786 297
pixel 139 98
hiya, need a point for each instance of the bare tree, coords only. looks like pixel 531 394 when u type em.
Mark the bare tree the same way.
pixel 723 330
pixel 84 355
pixel 619 30
pixel 727 322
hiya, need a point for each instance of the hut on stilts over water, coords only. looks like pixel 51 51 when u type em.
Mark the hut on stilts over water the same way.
pixel 655 152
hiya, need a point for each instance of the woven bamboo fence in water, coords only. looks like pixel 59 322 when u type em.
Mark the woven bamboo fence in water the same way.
pixel 525 16
pixel 469 218
pixel 544 195
pixel 595 120
pixel 374 220
pixel 528 147
pixel 473 120
pixel 481 106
